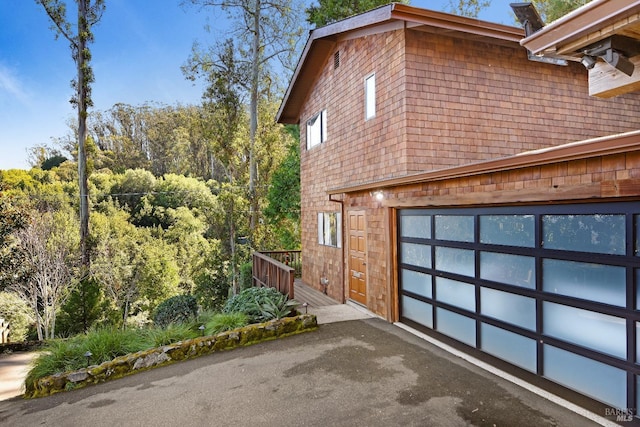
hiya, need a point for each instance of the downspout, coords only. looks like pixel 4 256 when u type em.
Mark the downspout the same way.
pixel 342 263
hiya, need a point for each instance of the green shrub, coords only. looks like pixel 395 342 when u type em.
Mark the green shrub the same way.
pixel 108 343
pixel 178 309
pixel 261 304
pixel 57 356
pixel 174 332
pixel 105 344
pixel 17 313
pixel 246 275
pixel 226 322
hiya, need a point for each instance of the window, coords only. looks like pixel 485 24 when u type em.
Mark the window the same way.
pixel 370 97
pixel 330 229
pixel 317 129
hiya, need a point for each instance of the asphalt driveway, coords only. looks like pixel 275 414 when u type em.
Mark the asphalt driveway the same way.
pixel 352 373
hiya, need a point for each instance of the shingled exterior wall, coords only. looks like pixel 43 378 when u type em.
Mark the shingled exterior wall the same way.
pixel 441 102
pixel 610 178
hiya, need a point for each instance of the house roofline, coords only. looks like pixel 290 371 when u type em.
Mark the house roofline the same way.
pixel 323 40
pixel 581 22
pixel 607 145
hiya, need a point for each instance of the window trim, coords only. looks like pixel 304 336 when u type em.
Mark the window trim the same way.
pixel 370 96
pixel 325 235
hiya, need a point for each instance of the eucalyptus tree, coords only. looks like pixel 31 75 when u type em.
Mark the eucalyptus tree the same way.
pixel 89 13
pixel 469 8
pixel 329 11
pixel 550 10
pixel 271 30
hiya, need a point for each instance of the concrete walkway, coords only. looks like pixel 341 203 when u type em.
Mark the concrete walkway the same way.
pixel 13 370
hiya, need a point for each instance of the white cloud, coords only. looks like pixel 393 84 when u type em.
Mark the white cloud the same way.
pixel 11 85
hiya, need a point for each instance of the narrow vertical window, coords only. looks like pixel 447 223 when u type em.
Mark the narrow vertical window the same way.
pixel 370 97
pixel 317 129
pixel 330 229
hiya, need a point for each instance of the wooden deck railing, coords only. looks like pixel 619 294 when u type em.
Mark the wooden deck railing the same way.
pixel 272 273
pixel 290 258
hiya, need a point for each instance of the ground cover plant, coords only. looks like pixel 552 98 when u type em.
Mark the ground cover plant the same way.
pixel 99 345
pixel 261 304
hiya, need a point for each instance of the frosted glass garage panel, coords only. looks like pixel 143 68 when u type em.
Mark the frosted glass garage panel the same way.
pixel 459 261
pixel 416 282
pixel 638 345
pixel 418 311
pixel 600 332
pixel 415 226
pixel 638 290
pixel 415 254
pixel 509 230
pixel 603 234
pixel 456 326
pixel 636 248
pixel 513 348
pixel 507 307
pixel 595 379
pixel 595 282
pixel 456 293
pixel 458 228
pixel 514 270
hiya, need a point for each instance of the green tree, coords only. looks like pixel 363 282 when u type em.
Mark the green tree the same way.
pixel 17 313
pixel 329 11
pixel 270 30
pixel 116 244
pixel 89 13
pixel 550 10
pixel 12 219
pixel 283 210
pixel 469 8
pixel 156 273
pixel 212 281
pixel 82 309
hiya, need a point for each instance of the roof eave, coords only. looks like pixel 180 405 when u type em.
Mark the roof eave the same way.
pixel 581 22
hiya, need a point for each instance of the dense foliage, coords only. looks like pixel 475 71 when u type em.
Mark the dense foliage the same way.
pixel 178 309
pixel 152 236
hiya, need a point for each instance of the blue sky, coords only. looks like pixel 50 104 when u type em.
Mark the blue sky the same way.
pixel 138 50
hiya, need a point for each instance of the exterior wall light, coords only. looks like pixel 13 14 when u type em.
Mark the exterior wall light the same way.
pixel 378 195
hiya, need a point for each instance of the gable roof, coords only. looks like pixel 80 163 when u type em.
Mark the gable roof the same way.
pixel 322 42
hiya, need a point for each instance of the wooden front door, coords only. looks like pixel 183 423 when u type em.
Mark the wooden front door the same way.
pixel 357 257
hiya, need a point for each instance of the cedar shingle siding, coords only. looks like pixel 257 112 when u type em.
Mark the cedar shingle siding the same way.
pixel 442 101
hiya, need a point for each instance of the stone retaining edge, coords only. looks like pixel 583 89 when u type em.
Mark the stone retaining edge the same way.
pixel 161 356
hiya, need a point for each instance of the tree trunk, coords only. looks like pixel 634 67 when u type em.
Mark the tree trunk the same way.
pixel 253 125
pixel 83 30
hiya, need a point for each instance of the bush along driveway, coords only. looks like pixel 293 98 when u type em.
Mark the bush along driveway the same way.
pixel 160 356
